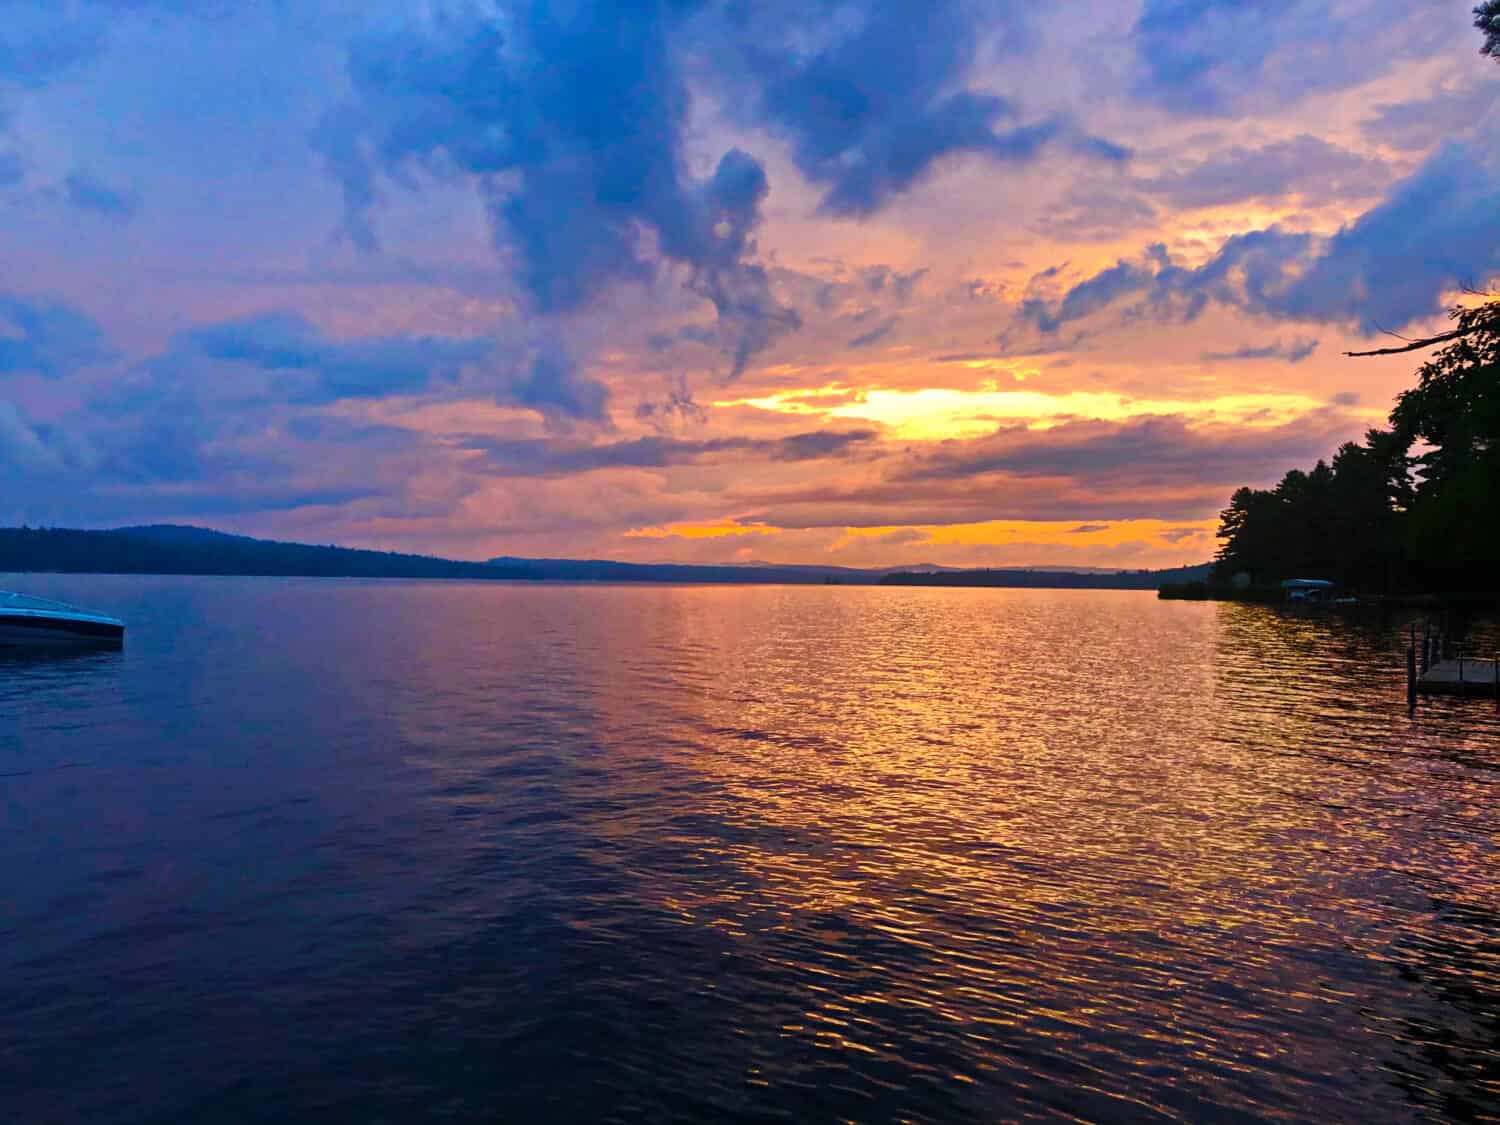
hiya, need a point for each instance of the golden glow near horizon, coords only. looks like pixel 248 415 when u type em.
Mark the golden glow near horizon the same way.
pixel 1102 533
pixel 1163 534
pixel 937 413
pixel 700 531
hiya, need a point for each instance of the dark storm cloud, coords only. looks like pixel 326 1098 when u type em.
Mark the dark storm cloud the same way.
pixel 539 458
pixel 163 440
pixel 1437 229
pixel 47 337
pixel 1120 280
pixel 554 386
pixel 872 100
pixel 310 368
pixel 1209 57
pixel 571 123
pixel 367 368
pixel 1195 52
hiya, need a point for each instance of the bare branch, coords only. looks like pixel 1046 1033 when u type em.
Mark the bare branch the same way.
pixel 1382 328
pixel 1417 345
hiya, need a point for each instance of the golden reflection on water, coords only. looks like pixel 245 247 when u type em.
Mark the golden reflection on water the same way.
pixel 521 852
pixel 1148 859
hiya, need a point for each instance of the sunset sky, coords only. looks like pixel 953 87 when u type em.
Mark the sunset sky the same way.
pixel 864 283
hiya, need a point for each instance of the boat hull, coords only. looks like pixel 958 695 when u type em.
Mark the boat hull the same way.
pixel 26 630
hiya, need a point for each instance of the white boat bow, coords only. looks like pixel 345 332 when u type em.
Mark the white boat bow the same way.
pixel 25 620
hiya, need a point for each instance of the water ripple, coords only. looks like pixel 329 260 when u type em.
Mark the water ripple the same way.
pixel 382 851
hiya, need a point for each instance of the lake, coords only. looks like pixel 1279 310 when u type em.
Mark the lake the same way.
pixel 382 851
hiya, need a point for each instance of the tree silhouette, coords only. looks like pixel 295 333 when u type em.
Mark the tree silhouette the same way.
pixel 1487 19
pixel 1454 413
pixel 1376 517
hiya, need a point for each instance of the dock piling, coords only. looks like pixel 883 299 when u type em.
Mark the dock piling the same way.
pixel 1411 676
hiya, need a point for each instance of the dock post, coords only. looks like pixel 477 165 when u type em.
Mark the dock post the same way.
pixel 1411 676
pixel 1462 689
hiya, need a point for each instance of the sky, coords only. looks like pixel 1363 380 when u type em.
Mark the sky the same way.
pixel 866 283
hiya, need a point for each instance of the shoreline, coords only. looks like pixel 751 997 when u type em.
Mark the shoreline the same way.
pixel 1275 595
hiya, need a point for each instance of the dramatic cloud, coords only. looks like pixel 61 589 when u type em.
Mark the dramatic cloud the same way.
pixel 47 337
pixel 470 275
pixel 308 367
pixel 571 125
pixel 1437 229
pixel 1196 53
pixel 1211 57
pixel 1100 472
pixel 545 458
pixel 870 104
pixel 1305 166
pixel 335 370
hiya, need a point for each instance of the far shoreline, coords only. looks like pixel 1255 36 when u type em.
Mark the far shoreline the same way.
pixel 1275 595
pixel 167 549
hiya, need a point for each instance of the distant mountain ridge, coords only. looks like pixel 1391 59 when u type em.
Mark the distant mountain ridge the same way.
pixel 186 549
pixel 179 549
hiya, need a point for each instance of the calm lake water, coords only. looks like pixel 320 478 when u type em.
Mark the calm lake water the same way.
pixel 347 851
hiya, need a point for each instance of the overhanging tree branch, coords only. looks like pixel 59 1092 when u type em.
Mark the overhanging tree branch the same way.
pixel 1418 345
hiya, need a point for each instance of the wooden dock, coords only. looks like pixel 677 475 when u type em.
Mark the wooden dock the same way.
pixel 1479 678
pixel 1436 666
